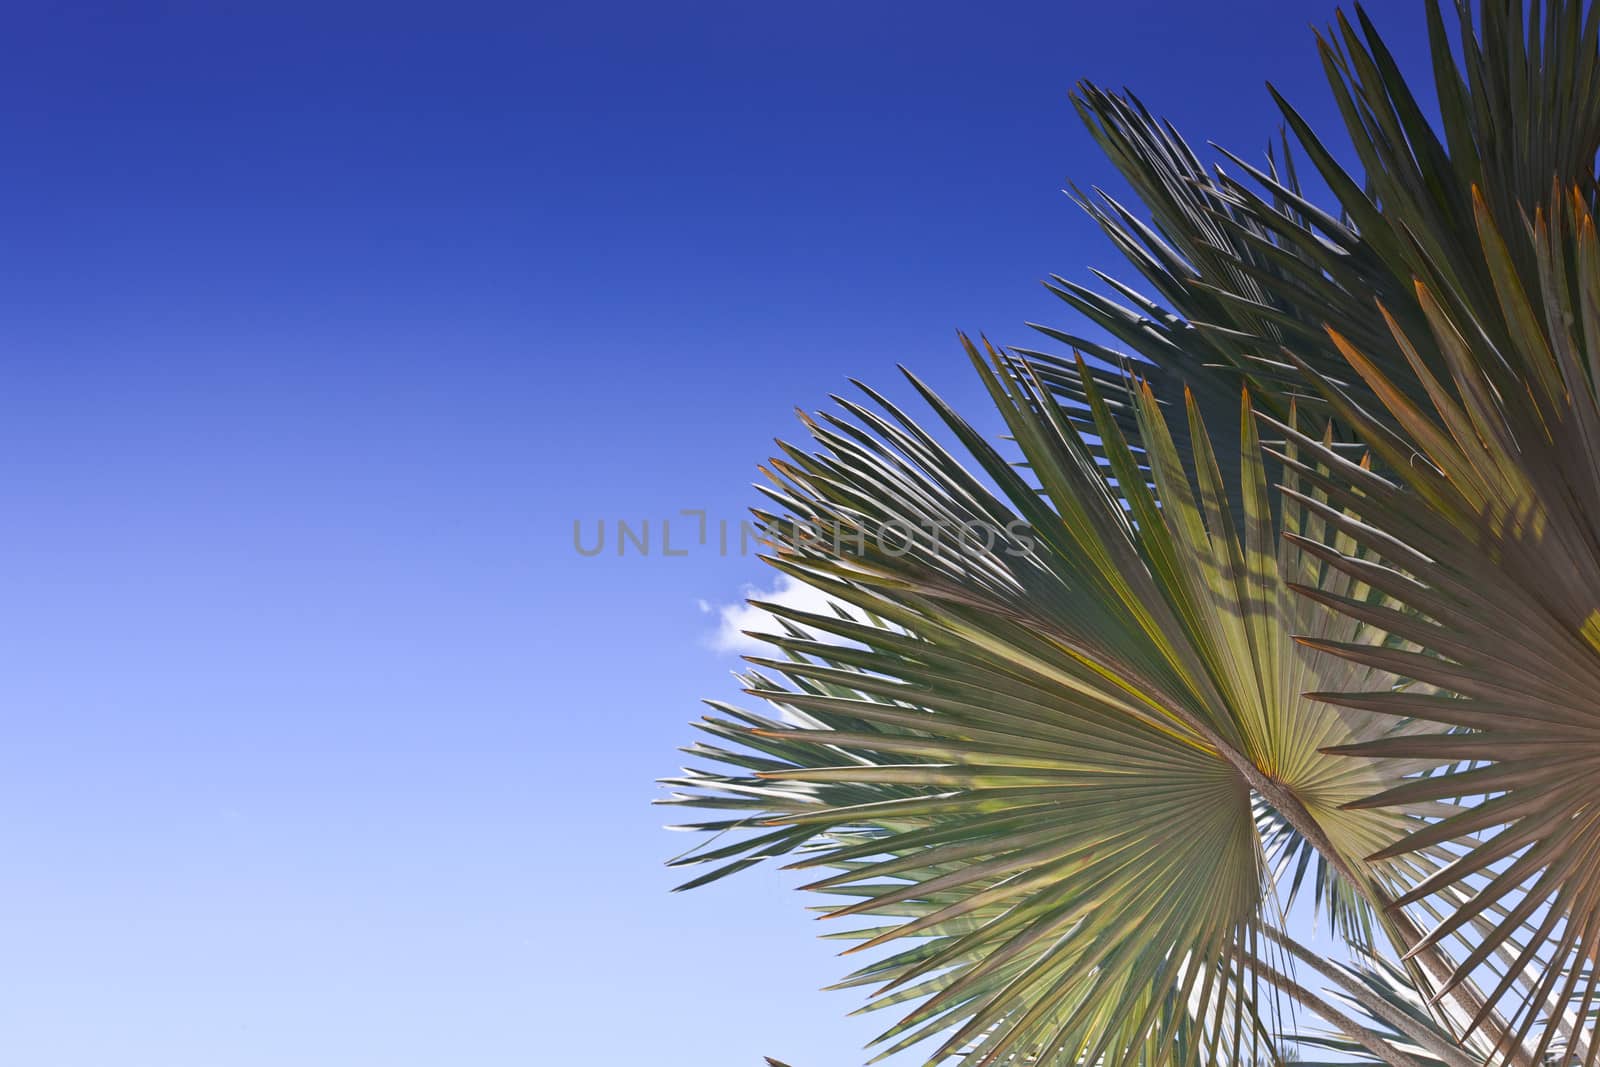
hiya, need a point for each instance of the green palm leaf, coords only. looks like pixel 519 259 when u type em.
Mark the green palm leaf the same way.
pixel 1033 765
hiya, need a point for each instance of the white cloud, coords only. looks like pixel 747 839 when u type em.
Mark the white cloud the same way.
pixel 734 619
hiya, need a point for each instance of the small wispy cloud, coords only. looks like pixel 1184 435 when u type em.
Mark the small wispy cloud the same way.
pixel 734 619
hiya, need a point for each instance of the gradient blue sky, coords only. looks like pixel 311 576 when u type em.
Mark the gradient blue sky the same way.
pixel 321 326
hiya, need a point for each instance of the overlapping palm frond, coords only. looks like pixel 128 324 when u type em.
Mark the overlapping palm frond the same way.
pixel 1233 275
pixel 1241 266
pixel 1484 528
pixel 1035 759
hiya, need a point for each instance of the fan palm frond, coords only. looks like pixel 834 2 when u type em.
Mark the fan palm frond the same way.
pixel 1036 759
pixel 1241 265
pixel 1484 527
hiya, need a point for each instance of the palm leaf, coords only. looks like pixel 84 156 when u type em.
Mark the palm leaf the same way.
pixel 1484 528
pixel 1241 265
pixel 1035 762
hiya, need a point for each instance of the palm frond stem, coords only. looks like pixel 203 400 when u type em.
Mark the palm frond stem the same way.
pixel 1450 1054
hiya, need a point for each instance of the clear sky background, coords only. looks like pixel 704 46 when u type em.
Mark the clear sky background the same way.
pixel 321 326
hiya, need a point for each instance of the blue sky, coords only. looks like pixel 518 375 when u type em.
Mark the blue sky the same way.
pixel 322 326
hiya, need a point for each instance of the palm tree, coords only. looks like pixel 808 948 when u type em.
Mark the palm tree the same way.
pixel 1292 588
